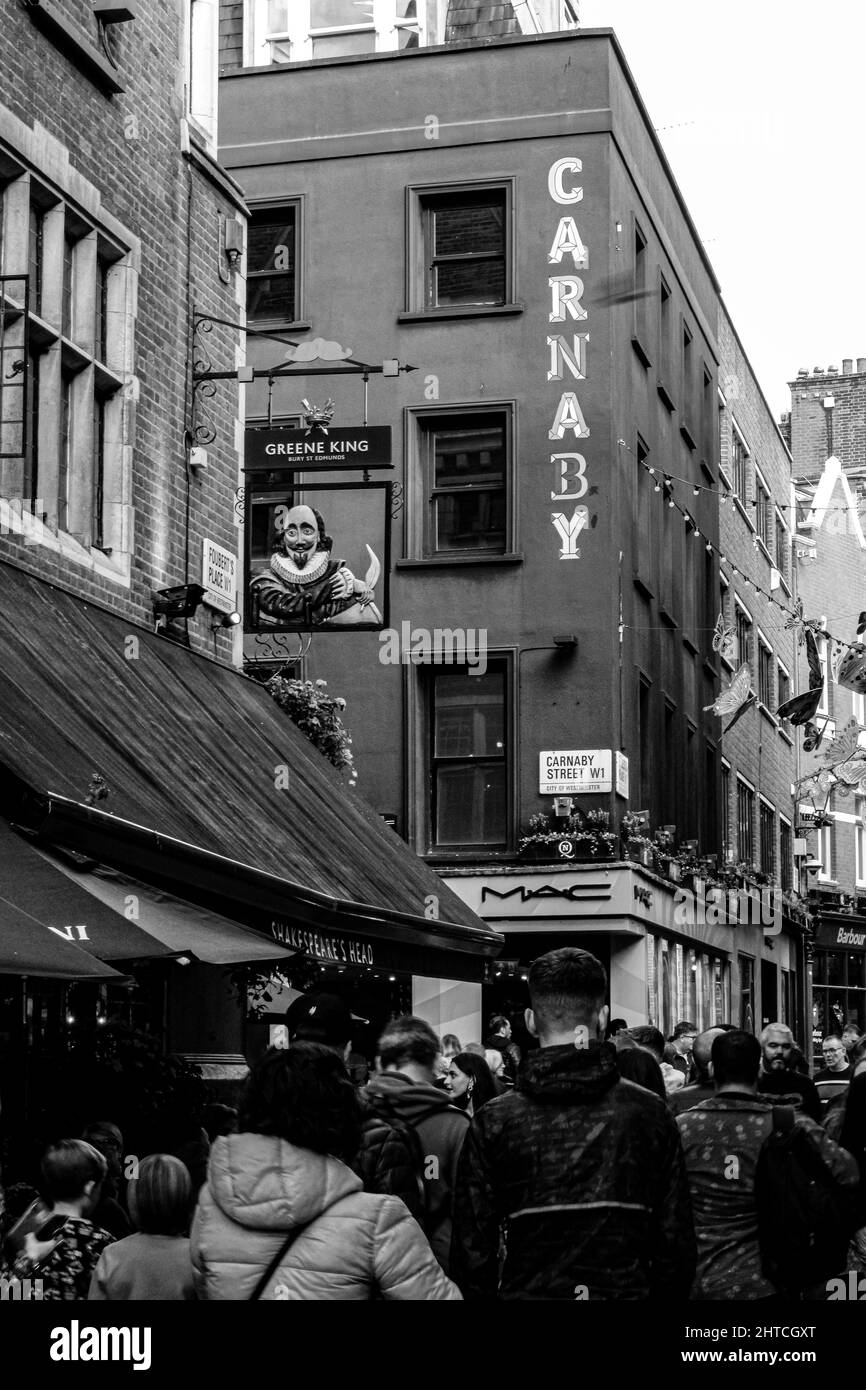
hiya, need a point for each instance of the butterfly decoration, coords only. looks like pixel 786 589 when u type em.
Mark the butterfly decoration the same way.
pixel 819 783
pixel 737 698
pixel 801 709
pixel 846 759
pixel 851 671
pixel 724 639
pixel 812 736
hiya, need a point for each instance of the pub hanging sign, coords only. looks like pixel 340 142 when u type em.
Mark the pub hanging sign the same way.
pixel 317 555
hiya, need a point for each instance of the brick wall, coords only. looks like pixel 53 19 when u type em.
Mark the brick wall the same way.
pixel 809 424
pixel 759 748
pixel 122 156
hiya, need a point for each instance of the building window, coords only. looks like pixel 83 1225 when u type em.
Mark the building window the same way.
pixel 80 353
pixel 739 466
pixel 665 334
pixel 291 31
pixel 645 740
pixel 783 547
pixel 767 828
pixel 744 635
pixel 35 255
pixel 860 841
pixel 824 851
pixel 762 512
pixel 465 248
pixel 824 705
pixel 469 758
pixel 786 856
pixel 745 823
pixel 783 690
pixel 858 708
pixel 272 265
pixel 726 812
pixel 640 283
pixel 765 675
pixel 708 416
pixel 688 374
pixel 465 462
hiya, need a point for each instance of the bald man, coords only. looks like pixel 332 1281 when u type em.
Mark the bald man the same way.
pixel 703 1088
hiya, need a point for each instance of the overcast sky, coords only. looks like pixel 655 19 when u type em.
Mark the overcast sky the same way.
pixel 761 108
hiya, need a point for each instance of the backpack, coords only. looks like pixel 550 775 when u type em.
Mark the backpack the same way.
pixel 805 1218
pixel 382 1107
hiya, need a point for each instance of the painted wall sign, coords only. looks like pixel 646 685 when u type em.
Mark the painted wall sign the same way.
pixel 573 770
pixel 219 576
pixel 336 446
pixel 567 358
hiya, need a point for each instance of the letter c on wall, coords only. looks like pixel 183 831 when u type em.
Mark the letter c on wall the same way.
pixel 554 181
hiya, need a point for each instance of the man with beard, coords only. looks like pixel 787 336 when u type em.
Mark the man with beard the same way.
pixel 304 586
pixel 777 1078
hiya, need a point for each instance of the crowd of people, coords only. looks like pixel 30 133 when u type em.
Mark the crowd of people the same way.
pixel 600 1162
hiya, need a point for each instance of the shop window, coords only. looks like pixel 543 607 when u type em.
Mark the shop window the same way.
pixel 273 291
pixel 464 471
pixel 747 993
pixel 469 758
pixel 745 823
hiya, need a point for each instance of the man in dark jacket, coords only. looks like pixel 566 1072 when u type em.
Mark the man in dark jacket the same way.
pixel 405 1091
pixel 582 1169
pixel 778 1079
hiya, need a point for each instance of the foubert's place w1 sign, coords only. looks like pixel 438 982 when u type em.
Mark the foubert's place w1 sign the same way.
pixel 563 772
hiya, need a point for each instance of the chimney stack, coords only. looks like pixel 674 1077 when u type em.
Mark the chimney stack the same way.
pixel 847 366
pixel 861 364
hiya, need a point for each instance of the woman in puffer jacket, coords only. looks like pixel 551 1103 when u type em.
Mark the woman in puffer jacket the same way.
pixel 286 1169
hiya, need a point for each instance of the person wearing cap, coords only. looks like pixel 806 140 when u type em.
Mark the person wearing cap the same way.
pixel 386 1161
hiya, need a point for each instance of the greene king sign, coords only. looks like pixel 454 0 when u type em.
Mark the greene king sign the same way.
pixel 571 771
pixel 339 446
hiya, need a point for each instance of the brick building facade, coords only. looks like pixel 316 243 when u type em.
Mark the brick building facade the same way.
pixel 115 209
pixel 758 756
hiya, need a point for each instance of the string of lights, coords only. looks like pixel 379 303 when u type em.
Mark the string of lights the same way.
pixel 727 497
pixel 663 483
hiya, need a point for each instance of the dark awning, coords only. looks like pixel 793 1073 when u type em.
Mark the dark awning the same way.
pixel 27 947
pixel 66 911
pixel 193 756
pixel 176 927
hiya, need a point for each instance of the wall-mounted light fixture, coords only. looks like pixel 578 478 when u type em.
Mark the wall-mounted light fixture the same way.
pixel 566 641
pixel 224 620
pixel 107 12
pixel 234 241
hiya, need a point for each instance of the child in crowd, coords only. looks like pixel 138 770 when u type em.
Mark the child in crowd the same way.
pixel 155 1262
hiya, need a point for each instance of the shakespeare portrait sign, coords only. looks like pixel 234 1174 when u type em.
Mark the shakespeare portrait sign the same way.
pixel 318 554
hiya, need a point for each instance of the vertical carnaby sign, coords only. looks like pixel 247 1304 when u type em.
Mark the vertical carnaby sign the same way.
pixel 567 360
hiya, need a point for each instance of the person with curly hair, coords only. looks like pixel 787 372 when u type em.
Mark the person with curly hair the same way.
pixel 282 1215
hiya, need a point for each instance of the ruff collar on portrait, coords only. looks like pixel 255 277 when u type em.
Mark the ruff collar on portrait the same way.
pixel 286 569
